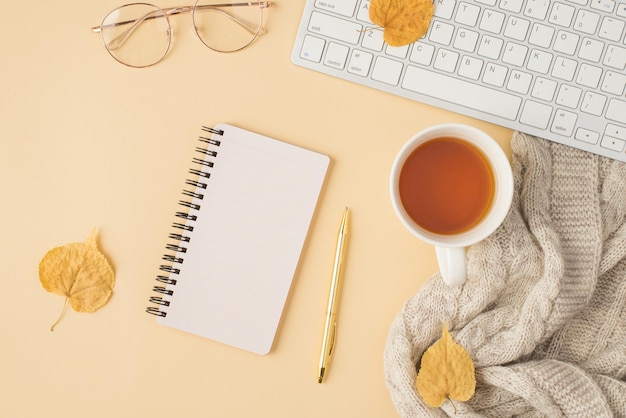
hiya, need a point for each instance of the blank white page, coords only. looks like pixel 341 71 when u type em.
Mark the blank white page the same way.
pixel 246 242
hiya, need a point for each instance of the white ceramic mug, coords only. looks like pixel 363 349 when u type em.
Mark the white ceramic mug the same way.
pixel 450 247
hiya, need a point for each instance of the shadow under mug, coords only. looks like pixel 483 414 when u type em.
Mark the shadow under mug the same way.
pixel 450 247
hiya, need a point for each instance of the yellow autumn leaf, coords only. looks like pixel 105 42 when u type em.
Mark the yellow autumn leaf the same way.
pixel 81 273
pixel 446 371
pixel 404 21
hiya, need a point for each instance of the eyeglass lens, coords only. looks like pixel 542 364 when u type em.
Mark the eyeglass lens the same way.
pixel 227 26
pixel 137 34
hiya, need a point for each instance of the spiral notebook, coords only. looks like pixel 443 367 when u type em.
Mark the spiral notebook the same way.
pixel 237 240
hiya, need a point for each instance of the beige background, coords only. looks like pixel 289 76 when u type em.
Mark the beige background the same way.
pixel 87 142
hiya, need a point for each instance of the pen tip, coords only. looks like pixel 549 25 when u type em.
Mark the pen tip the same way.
pixel 321 375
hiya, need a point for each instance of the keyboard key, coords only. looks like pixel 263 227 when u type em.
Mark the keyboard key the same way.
pixel 586 22
pixel 541 35
pixel 585 135
pixel 616 110
pixel 490 47
pixel 373 39
pixel 363 13
pixel 613 83
pixel 312 48
pixel 446 60
pixel 563 123
pixel 460 92
pixel 568 96
pixel 604 5
pixel 566 42
pixel 621 10
pixel 515 54
pixel 467 14
pixel 544 89
pixel 611 29
pixel 335 28
pixel 564 68
pixel 615 57
pixel 422 53
pixel 537 9
pixel 539 61
pixel 593 103
pixel 516 28
pixel 514 6
pixel 444 8
pixel 342 7
pixel 589 76
pixel 495 74
pixel 613 144
pixel 466 40
pixel 470 67
pixel 591 49
pixel 387 71
pixel 397 51
pixel 536 114
pixel 615 131
pixel 492 21
pixel 561 14
pixel 336 55
pixel 441 33
pixel 519 82
pixel 360 62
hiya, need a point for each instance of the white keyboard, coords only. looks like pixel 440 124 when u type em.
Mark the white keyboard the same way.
pixel 554 69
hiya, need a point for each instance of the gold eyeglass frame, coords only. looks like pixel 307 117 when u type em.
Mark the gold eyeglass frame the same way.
pixel 119 40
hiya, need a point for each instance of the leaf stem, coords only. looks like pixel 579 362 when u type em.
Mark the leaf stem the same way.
pixel 60 316
pixel 370 28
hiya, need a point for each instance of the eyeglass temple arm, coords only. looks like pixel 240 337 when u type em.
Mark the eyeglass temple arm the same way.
pixel 123 36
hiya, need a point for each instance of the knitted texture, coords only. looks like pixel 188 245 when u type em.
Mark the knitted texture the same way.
pixel 543 310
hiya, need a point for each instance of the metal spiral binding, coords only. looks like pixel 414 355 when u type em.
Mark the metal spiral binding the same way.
pixel 180 238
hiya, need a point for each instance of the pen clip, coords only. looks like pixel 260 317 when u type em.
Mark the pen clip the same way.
pixel 333 335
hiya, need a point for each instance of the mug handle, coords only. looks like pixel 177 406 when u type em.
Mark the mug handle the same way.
pixel 451 262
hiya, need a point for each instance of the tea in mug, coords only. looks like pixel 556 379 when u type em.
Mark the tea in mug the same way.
pixel 446 185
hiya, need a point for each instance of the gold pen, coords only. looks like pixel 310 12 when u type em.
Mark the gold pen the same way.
pixel 330 328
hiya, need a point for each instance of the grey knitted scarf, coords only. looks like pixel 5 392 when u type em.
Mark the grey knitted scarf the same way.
pixel 543 311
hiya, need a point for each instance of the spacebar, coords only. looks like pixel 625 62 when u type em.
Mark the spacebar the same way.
pixel 461 93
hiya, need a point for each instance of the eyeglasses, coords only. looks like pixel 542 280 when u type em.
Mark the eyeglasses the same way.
pixel 139 34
